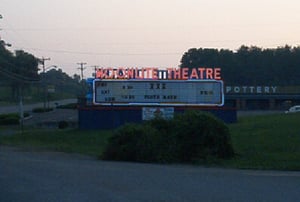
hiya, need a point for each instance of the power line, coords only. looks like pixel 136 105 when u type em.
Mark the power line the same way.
pixel 102 53
pixel 18 77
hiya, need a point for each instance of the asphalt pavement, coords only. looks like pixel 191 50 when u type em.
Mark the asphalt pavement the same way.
pixel 48 119
pixel 28 107
pixel 52 176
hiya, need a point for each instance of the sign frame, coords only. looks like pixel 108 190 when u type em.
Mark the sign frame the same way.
pixel 114 102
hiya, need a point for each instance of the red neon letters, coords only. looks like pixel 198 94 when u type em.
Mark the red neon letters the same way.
pixel 156 73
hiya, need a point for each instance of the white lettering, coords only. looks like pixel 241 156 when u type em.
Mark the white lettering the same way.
pixel 237 89
pixel 258 89
pixel 228 89
pixel 251 89
pixel 244 89
pixel 267 89
pixel 274 88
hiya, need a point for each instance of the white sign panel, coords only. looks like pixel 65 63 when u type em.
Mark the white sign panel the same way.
pixel 159 92
pixel 155 112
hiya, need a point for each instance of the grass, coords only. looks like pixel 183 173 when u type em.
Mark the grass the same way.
pixel 261 142
pixel 267 142
pixel 69 140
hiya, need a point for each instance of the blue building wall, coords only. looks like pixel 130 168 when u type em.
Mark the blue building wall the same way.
pixel 93 117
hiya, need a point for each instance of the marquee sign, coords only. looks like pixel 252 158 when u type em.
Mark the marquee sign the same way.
pixel 158 92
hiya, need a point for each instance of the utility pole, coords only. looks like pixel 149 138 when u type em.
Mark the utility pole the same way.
pixel 43 63
pixel 44 81
pixel 82 68
pixel 95 70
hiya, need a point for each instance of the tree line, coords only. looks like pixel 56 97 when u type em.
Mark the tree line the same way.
pixel 19 74
pixel 249 65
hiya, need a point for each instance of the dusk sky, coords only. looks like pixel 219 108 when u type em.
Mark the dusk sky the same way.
pixel 143 33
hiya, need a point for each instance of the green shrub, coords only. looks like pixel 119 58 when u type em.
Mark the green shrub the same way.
pixel 68 106
pixel 189 137
pixel 123 144
pixel 201 135
pixel 9 119
pixel 63 124
pixel 41 110
pixel 165 140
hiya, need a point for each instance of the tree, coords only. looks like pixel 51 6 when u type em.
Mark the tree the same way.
pixel 26 66
pixel 18 70
pixel 249 65
pixel 6 60
pixel 63 83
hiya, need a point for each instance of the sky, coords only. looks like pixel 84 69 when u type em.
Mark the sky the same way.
pixel 142 33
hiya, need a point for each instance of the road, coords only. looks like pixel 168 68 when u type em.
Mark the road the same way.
pixel 52 176
pixel 29 107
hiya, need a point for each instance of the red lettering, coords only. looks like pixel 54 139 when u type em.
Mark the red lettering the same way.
pixel 137 74
pixel 177 74
pixel 185 73
pixel 194 74
pixel 121 73
pixel 217 73
pixel 154 73
pixel 201 71
pixel 114 73
pixel 109 73
pixel 130 73
pixel 148 71
pixel 209 73
pixel 100 73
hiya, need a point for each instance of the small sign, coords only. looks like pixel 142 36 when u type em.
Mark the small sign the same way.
pixel 51 89
pixel 158 112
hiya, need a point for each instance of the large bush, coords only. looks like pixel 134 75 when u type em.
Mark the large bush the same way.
pixel 63 124
pixel 9 119
pixel 42 110
pixel 201 135
pixel 188 137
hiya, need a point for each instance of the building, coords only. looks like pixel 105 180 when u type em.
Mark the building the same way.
pixel 262 97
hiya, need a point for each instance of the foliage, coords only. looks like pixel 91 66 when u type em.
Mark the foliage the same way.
pixel 249 65
pixel 6 63
pixel 11 119
pixel 189 137
pixel 122 145
pixel 63 83
pixel 19 73
pixel 67 106
pixel 68 140
pixel 41 110
pixel 17 70
pixel 201 135
pixel 63 124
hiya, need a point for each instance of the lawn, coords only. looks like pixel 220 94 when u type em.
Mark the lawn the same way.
pixel 267 142
pixel 68 140
pixel 261 142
